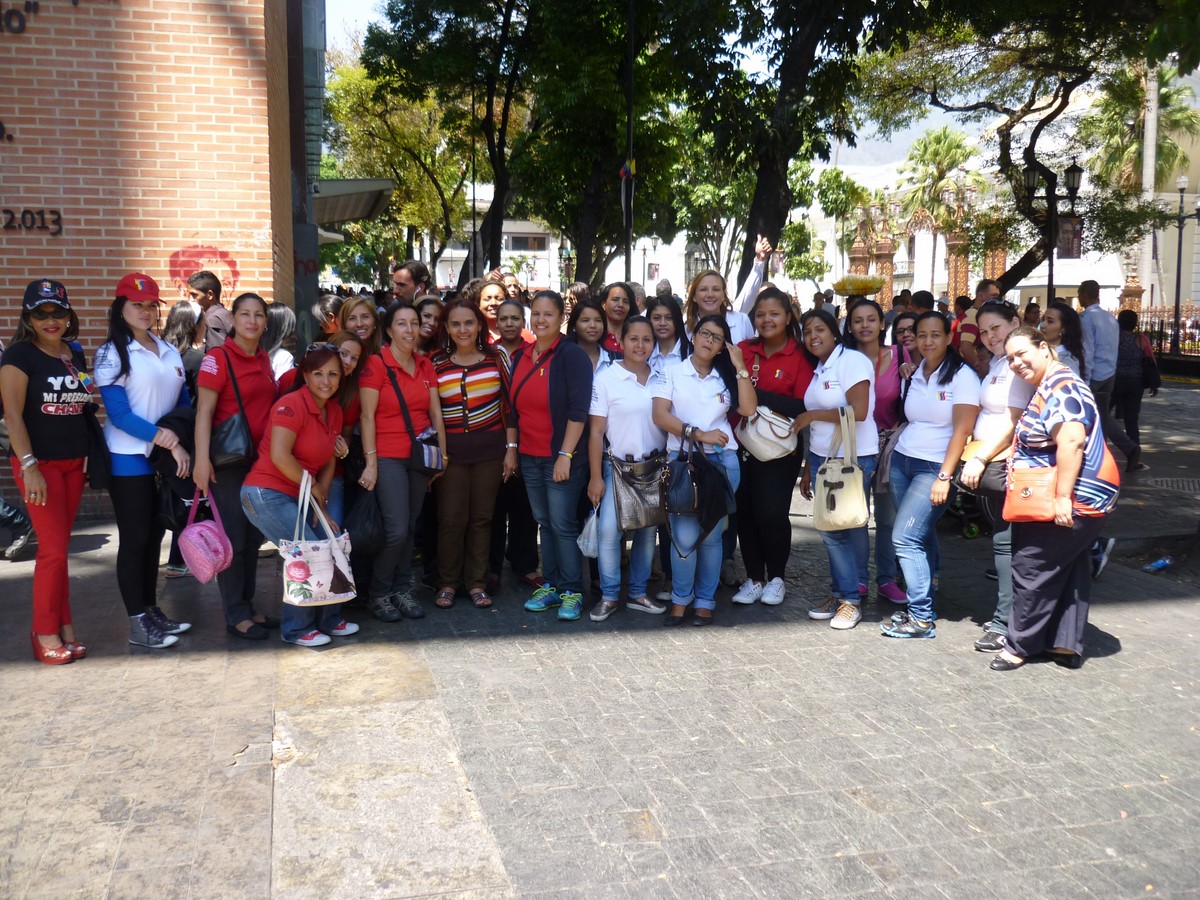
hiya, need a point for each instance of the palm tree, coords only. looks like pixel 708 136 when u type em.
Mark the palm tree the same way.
pixel 928 172
pixel 1117 120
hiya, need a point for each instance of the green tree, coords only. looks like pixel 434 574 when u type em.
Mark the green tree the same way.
pixel 804 255
pixel 935 166
pixel 1117 122
pixel 840 196
pixel 375 133
pixel 1018 66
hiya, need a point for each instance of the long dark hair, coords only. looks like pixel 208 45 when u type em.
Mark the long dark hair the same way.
pixel 793 324
pixel 830 322
pixel 281 325
pixel 672 306
pixel 721 362
pixel 180 330
pixel 313 358
pixel 578 311
pixel 1072 333
pixel 906 316
pixel 953 361
pixel 119 336
pixel 848 337
pixel 348 389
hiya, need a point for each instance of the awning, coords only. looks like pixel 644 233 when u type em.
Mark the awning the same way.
pixel 340 200
pixel 329 237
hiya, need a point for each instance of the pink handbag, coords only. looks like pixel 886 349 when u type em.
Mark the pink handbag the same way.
pixel 204 545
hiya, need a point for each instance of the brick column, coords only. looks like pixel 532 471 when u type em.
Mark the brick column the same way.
pixel 956 256
pixel 885 252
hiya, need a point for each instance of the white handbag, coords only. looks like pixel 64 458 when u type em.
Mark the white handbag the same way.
pixel 839 499
pixel 315 573
pixel 766 435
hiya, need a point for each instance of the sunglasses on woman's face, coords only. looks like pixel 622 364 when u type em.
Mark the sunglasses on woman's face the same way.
pixel 42 315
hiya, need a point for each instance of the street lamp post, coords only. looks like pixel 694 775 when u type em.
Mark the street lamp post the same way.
pixel 1181 183
pixel 1073 177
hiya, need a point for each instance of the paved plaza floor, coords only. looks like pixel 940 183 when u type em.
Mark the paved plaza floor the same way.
pixel 501 753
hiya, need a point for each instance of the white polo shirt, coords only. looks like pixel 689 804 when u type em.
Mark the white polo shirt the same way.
pixel 660 361
pixel 740 327
pixel 1000 390
pixel 831 379
pixel 628 407
pixel 930 410
pixel 703 402
pixel 152 386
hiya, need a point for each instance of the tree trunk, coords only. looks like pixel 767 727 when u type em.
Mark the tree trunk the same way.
pixel 933 263
pixel 771 204
pixel 587 261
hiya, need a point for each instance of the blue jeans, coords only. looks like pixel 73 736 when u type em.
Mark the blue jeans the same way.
pixel 554 506
pixel 696 578
pixel 849 550
pixel 915 529
pixel 335 505
pixel 641 555
pixel 274 514
pixel 885 550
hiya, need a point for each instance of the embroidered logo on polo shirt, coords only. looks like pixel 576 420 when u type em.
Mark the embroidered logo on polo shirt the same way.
pixel 945 395
pixel 210 366
pixel 830 385
pixel 285 411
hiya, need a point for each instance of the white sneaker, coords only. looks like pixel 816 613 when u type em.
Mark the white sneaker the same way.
pixel 848 615
pixel 748 592
pixel 774 592
pixel 665 594
pixel 312 638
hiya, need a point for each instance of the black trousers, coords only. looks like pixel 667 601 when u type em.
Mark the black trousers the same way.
pixel 1127 397
pixel 139 540
pixel 514 529
pixel 1052 584
pixel 764 500
pixel 238 582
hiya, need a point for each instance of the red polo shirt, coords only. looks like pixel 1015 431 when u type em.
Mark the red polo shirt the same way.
pixel 255 381
pixel 531 397
pixel 315 433
pixel 391 435
pixel 786 372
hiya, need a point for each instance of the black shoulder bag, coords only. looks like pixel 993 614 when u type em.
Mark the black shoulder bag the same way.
pixel 231 444
pixel 425 457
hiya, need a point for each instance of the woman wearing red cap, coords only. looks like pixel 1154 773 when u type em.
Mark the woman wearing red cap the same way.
pixel 45 388
pixel 141 379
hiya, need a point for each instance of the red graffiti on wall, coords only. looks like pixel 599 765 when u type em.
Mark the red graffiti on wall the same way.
pixel 187 261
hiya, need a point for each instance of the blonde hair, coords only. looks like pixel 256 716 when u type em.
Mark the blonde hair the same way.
pixel 374 339
pixel 690 311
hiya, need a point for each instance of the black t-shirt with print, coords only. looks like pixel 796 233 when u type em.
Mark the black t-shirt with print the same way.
pixel 54 402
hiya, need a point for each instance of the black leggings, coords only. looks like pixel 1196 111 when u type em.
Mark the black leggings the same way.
pixel 764 500
pixel 139 540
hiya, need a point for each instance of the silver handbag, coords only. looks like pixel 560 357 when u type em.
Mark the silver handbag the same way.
pixel 638 493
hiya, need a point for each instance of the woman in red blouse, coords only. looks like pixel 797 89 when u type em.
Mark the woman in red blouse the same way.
pixel 306 424
pixel 239 366
pixel 393 376
pixel 616 300
pixel 472 382
pixel 780 373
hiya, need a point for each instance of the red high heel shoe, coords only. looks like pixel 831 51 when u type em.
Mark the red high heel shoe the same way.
pixel 78 648
pixel 51 656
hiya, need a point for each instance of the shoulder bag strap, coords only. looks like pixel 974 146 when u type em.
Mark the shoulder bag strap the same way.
pixel 233 381
pixel 849 436
pixel 542 363
pixel 412 434
pixel 302 507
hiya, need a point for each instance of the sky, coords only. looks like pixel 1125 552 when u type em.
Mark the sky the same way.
pixel 344 17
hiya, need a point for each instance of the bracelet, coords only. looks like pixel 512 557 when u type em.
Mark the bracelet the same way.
pixel 27 456
pixel 28 465
pixel 370 452
pixel 513 446
pixel 567 454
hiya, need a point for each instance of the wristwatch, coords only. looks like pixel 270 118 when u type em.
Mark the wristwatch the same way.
pixel 942 476
pixel 742 373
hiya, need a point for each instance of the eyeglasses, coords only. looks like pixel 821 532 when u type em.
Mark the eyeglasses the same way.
pixel 42 315
pixel 900 331
pixel 321 346
pixel 717 339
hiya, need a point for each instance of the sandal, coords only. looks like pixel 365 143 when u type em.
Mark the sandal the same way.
pixel 480 599
pixel 444 598
pixel 533 579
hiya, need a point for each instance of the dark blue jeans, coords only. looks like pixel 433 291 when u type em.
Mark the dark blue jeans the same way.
pixel 13 519
pixel 554 506
pixel 915 529
pixel 849 550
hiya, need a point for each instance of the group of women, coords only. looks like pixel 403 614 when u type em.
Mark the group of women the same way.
pixel 534 412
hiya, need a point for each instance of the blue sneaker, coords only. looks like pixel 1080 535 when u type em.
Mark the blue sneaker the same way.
pixel 572 607
pixel 543 598
pixel 907 627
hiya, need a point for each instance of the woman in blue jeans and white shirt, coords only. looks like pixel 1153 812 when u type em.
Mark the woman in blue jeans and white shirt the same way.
pixel 305 426
pixel 621 418
pixel 692 401
pixel 941 405
pixel 841 377
pixel 551 390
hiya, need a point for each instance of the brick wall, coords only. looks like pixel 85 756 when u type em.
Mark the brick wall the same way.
pixel 144 123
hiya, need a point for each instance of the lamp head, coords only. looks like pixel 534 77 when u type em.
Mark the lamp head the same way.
pixel 1032 177
pixel 1181 183
pixel 1074 178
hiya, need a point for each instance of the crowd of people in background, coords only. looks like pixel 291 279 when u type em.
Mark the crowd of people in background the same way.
pixel 535 404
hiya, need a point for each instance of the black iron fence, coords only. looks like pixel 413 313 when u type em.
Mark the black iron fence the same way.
pixel 1158 323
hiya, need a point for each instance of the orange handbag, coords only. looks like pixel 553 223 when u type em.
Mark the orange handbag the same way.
pixel 1030 494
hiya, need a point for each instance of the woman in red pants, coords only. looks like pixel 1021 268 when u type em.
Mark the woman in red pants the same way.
pixel 45 387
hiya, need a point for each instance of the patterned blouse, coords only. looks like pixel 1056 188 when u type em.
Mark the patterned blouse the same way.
pixel 1063 398
pixel 474 406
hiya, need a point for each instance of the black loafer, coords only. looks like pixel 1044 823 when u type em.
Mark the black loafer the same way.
pixel 1067 661
pixel 1000 664
pixel 269 622
pixel 254 633
pixel 700 621
pixel 669 621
